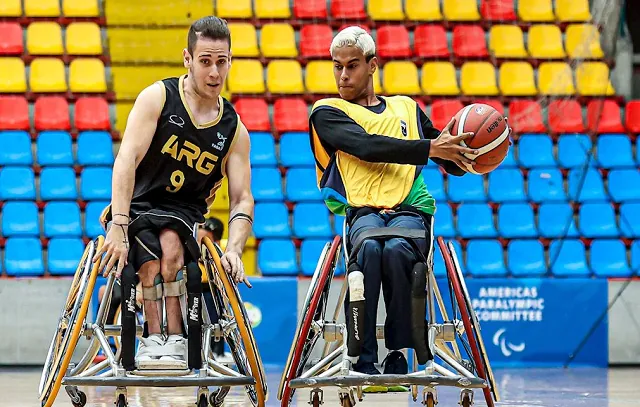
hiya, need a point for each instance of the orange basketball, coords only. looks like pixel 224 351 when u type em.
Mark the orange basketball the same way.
pixel 490 136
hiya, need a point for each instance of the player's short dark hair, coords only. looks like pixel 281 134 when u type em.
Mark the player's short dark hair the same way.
pixel 215 226
pixel 210 27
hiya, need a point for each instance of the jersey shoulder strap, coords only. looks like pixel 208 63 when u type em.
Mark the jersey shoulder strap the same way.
pixel 337 103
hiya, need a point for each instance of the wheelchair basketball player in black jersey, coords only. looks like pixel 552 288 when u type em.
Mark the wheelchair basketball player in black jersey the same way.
pixel 180 140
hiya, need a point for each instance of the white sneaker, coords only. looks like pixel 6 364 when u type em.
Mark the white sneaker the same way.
pixel 174 353
pixel 149 351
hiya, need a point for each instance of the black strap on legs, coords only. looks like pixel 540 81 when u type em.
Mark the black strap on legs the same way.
pixel 194 315
pixel 386 233
pixel 129 281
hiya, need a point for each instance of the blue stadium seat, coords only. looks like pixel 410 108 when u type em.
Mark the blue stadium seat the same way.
pixel 23 256
pixel 63 255
pixel 506 185
pixel 475 221
pixel 438 261
pixel 574 150
pixel 266 184
pixel 92 227
pixel 95 183
pixel 635 256
pixel 54 148
pixel 444 226
pixel 58 183
pixel 295 150
pixel 95 148
pixel 310 251
pixel 20 219
pixel 510 159
pixel 546 184
pixel 338 224
pixel 277 257
pixel 485 259
pixel 16 148
pixel 62 219
pixel 516 220
pixel 614 151
pixel 554 218
pixel 598 220
pixel 587 187
pixel 311 220
pixel 567 258
pixel 536 150
pixel 525 258
pixel 17 183
pixel 435 183
pixel 468 188
pixel 271 220
pixel 263 149
pixel 609 258
pixel 301 185
pixel 624 185
pixel 629 220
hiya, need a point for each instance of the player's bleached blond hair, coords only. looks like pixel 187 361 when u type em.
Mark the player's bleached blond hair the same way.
pixel 354 36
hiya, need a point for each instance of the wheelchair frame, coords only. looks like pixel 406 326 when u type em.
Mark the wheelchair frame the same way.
pixel 334 367
pixel 233 325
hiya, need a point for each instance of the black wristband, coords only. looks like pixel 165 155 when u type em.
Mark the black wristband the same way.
pixel 241 215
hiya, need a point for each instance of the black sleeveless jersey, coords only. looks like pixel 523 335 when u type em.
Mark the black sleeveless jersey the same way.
pixel 183 167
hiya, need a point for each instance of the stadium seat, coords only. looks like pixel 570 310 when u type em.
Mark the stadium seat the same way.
pixel 460 10
pixel 95 183
pixel 509 160
pixel 278 40
pixel 272 9
pixel 284 76
pixel 266 184
pixel 506 41
pixel 439 267
pixel 245 40
pixel 271 220
pixel 52 113
pixel 10 8
pixel 439 79
pixel 87 75
pixel 572 10
pixel 567 258
pixel 592 79
pixel 546 184
pixel 597 219
pixel 151 45
pixel 54 148
pixel 58 183
pixel 14 113
pixel 290 114
pixel 401 77
pixel 545 42
pixel 485 259
pixel 301 185
pixel 95 148
pixel 525 116
pixel 385 10
pixel 556 220
pixel 478 78
pixel 147 13
pixel 277 257
pixel 83 38
pixel 16 148
pixel 555 79
pixel 423 10
pixel 254 113
pixel 315 40
pixel 466 189
pixel 443 110
pixel 435 183
pixel 92 113
pixel 586 187
pixel 17 183
pixel 614 151
pixel 11 42
pixel 20 219
pixel 311 220
pixel 535 150
pixel 632 116
pixel 338 224
pixel 469 41
pixel 430 41
pixel 23 257
pixel 47 75
pixel 246 77
pixel 574 150
pixel 348 9
pixel 624 185
pixel 517 79
pixel 44 38
pixel 583 41
pixel 516 220
pixel 635 255
pixel 263 149
pixel 129 81
pixel 14 78
pixel 603 116
pixel 310 9
pixel 445 226
pixel 319 77
pixel 475 221
pixel 497 10
pixel 609 259
pixel 535 10
pixel 525 258
pixel 310 252
pixel 392 41
pixel 506 185
pixel 629 220
pixel 62 219
pixel 565 116
pixel 234 9
pixel 92 226
pixel 295 150
pixel 41 8
pixel 63 255
pixel 80 8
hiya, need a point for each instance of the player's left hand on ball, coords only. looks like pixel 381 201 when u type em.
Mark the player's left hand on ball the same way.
pixel 232 264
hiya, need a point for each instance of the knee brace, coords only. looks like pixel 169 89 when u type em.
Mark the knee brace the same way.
pixel 419 323
pixel 129 280
pixel 356 310
pixel 194 315
pixel 177 289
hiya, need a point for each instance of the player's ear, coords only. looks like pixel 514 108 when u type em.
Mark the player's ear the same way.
pixel 373 65
pixel 186 58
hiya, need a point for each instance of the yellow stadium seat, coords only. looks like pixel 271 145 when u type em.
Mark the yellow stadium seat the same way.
pixel 319 77
pixel 555 78
pixel 154 12
pixel 44 38
pixel 87 75
pixel 147 45
pixel 284 76
pixel 47 75
pixel 583 41
pixel 386 10
pixel 83 39
pixel 122 114
pixel 272 8
pixel 573 10
pixel 278 40
pixel 129 81
pixel 234 8
pixel 592 79
pixel 221 202
pixel 517 79
pixel 423 10
pixel 244 42
pixel 535 10
pixel 439 78
pixel 80 8
pixel 478 78
pixel 41 8
pixel 246 76
pixel 377 84
pixel 545 41
pixel 10 8
pixel 460 10
pixel 507 41
pixel 400 77
pixel 14 77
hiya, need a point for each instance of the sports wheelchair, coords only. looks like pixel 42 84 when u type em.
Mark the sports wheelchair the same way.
pixel 233 325
pixel 460 357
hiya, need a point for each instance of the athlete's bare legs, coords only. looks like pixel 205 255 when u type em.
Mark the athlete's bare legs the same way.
pixel 171 262
pixel 147 274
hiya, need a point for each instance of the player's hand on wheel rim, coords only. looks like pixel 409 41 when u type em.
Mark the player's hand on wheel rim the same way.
pixel 448 147
pixel 232 265
pixel 115 249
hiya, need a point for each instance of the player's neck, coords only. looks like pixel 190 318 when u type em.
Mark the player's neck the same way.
pixel 198 103
pixel 368 99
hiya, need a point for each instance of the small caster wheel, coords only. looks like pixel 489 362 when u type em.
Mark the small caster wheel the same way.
pixel 216 399
pixel 346 402
pixel 430 401
pixel 202 401
pixel 83 400
pixel 122 401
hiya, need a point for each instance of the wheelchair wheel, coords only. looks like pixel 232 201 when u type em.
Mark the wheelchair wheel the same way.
pixel 70 325
pixel 314 308
pixel 238 332
pixel 463 308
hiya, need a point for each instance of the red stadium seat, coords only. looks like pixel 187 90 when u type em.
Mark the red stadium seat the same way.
pixel 525 116
pixel 315 40
pixel 392 41
pixel 92 113
pixel 52 113
pixel 11 39
pixel 430 41
pixel 348 9
pixel 469 41
pixel 565 116
pixel 363 26
pixel 254 113
pixel 308 9
pixel 632 116
pixel 14 113
pixel 497 10
pixel 442 111
pixel 496 104
pixel 290 114
pixel 604 116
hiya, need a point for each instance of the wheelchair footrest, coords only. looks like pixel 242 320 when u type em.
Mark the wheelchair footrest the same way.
pixel 387 380
pixel 158 381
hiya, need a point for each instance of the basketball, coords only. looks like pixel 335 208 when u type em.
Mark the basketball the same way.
pixel 490 136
